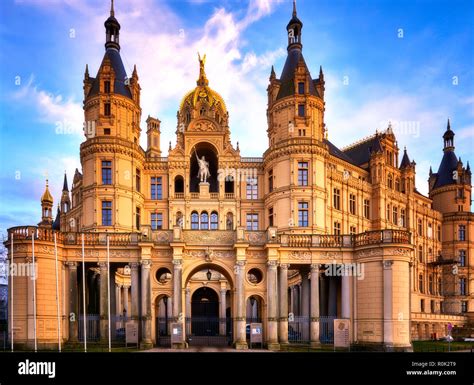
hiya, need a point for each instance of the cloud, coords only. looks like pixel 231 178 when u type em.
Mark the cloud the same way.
pixel 65 115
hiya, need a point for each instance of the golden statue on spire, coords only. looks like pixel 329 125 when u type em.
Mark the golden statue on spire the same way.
pixel 202 81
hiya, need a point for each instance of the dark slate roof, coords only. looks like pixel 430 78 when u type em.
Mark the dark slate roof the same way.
pixel 287 81
pixel 360 153
pixel 448 164
pixel 120 75
pixel 65 187
pixel 405 160
pixel 56 223
pixel 333 150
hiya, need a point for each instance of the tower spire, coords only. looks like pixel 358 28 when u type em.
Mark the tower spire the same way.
pixel 112 30
pixel 112 12
pixel 294 8
pixel 294 30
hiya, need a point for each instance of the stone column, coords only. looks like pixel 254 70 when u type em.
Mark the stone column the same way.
pixel 177 296
pixel 135 289
pixel 332 306
pixel 240 336
pixel 283 330
pixel 125 300
pixel 346 296
pixel 305 305
pixel 272 298
pixel 73 301
pixel 188 311
pixel 118 304
pixel 104 315
pixel 222 317
pixel 314 305
pixel 146 341
pixel 387 305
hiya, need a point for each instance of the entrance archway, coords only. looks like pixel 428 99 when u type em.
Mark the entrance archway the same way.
pixel 208 306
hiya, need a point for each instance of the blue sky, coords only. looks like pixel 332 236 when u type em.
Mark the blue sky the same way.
pixel 409 62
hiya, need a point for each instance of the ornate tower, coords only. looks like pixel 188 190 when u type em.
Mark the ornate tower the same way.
pixel 46 208
pixel 111 158
pixel 295 116
pixel 295 101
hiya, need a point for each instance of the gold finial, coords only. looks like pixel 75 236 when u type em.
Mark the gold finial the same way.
pixel 202 81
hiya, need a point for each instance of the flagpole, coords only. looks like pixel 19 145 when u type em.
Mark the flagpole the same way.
pixel 84 295
pixel 108 290
pixel 57 292
pixel 11 289
pixel 34 287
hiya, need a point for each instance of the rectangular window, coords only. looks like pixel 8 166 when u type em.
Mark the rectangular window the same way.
pixel 337 199
pixel 301 110
pixel 395 215
pixel 252 222
pixel 270 216
pixel 303 214
pixel 106 131
pixel 107 109
pixel 301 88
pixel 420 227
pixel 462 232
pixel 106 172
pixel 302 173
pixel 352 230
pixel 366 209
pixel 464 306
pixel 432 306
pixel 156 188
pixel 462 286
pixel 439 233
pixel 137 218
pixel 137 179
pixel 156 221
pixel 402 217
pixel 462 258
pixel 337 228
pixel 420 253
pixel 107 87
pixel 106 213
pixel 422 305
pixel 352 204
pixel 270 180
pixel 252 188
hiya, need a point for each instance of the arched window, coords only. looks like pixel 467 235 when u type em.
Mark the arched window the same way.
pixel 194 221
pixel 390 181
pixel 204 220
pixel 214 221
pixel 397 184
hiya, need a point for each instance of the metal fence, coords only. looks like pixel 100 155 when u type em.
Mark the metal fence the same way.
pixel 163 327
pixel 92 326
pixel 298 330
pixel 326 329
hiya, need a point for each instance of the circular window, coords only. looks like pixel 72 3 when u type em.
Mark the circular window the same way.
pixel 163 275
pixel 254 276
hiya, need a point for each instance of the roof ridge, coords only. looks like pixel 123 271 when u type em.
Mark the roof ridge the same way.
pixel 359 142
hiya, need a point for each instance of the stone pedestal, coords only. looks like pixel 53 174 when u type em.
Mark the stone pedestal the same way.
pixel 204 190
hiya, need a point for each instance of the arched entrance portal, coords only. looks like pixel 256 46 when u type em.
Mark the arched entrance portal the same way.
pixel 208 308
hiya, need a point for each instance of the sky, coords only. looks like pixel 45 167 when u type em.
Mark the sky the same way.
pixel 409 62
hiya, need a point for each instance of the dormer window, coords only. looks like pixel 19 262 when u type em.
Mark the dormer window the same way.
pixel 301 88
pixel 107 87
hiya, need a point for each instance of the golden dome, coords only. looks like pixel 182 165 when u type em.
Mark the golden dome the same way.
pixel 47 197
pixel 203 93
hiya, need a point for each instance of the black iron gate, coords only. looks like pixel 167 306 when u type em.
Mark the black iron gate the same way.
pixel 299 329
pixel 163 338
pixel 209 331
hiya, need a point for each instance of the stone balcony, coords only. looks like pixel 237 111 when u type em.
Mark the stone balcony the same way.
pixel 213 237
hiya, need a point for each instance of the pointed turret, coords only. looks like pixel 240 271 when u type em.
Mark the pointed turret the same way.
pixel 46 207
pixel 405 160
pixel 65 199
